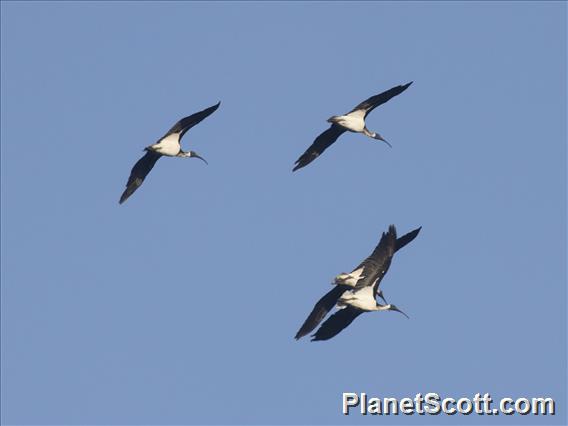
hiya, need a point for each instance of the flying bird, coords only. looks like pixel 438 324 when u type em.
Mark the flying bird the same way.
pixel 356 292
pixel 353 121
pixel 169 146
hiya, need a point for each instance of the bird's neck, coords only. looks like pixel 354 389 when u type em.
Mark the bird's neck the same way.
pixel 367 132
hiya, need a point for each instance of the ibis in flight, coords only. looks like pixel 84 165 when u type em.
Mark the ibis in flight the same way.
pixel 169 146
pixel 356 292
pixel 353 121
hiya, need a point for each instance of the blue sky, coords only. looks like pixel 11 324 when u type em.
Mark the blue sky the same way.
pixel 180 306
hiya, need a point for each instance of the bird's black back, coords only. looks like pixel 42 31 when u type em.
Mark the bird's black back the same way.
pixel 377 264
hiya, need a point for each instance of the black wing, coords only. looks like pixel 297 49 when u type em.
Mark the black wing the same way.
pixel 406 238
pixel 321 143
pixel 374 101
pixel 138 173
pixel 321 308
pixel 377 264
pixel 337 322
pixel 187 123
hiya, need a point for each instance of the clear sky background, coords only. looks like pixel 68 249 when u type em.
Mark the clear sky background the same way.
pixel 180 306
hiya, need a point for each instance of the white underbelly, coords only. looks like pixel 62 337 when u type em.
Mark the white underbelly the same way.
pixel 357 300
pixel 168 146
pixel 363 304
pixel 353 124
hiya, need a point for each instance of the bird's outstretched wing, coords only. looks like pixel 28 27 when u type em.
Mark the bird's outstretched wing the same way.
pixel 321 308
pixel 337 322
pixel 321 143
pixel 406 238
pixel 374 101
pixel 376 265
pixel 187 123
pixel 138 173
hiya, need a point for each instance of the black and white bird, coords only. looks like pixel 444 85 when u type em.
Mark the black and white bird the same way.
pixel 356 292
pixel 169 146
pixel 353 121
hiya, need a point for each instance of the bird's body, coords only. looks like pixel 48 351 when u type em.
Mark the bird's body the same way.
pixel 356 292
pixel 169 145
pixel 361 298
pixel 353 121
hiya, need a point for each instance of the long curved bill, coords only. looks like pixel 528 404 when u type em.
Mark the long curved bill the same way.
pixel 201 158
pixel 394 308
pixel 379 137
